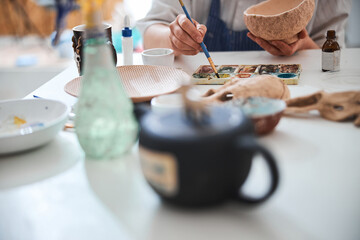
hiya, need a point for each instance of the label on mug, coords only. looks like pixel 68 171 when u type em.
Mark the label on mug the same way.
pixel 160 170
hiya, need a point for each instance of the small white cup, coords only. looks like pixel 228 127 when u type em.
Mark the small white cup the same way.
pixel 172 102
pixel 166 103
pixel 158 56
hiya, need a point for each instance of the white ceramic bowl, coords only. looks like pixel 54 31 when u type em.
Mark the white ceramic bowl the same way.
pixel 44 119
pixel 158 56
pixel 166 103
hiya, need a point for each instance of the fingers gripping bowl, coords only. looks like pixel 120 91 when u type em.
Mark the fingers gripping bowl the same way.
pixel 279 19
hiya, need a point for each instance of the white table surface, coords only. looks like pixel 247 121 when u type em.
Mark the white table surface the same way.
pixel 53 192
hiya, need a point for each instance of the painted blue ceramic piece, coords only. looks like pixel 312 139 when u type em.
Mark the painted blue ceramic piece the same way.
pixel 260 106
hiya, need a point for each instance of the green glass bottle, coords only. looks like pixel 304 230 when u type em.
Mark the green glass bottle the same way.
pixel 105 124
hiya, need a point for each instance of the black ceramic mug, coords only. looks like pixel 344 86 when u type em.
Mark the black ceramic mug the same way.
pixel 197 165
pixel 78 43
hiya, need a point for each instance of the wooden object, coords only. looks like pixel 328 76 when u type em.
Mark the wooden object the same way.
pixel 338 106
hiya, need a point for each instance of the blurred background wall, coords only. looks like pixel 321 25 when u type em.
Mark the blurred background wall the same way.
pixel 353 27
pixel 25 17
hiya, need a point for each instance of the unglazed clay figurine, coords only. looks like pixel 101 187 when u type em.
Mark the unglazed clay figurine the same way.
pixel 338 106
pixel 260 86
pixel 279 19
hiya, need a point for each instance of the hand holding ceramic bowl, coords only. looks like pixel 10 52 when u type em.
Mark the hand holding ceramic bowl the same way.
pixel 279 19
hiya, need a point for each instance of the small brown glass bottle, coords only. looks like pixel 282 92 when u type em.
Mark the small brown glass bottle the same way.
pixel 331 53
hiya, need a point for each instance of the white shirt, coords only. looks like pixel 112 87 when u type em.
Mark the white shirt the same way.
pixel 328 15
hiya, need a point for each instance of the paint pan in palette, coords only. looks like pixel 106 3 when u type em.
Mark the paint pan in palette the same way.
pixel 248 68
pixel 289 68
pixel 205 74
pixel 205 69
pixel 243 75
pixel 228 69
pixel 268 69
pixel 289 73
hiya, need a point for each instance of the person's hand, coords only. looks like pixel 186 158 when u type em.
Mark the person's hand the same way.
pixel 185 38
pixel 280 48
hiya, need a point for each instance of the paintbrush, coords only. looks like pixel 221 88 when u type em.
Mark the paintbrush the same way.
pixel 202 43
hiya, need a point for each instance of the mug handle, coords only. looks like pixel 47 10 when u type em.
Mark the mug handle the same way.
pixel 248 143
pixel 113 50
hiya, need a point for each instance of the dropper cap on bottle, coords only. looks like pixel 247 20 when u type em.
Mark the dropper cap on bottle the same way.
pixel 126 32
pixel 331 34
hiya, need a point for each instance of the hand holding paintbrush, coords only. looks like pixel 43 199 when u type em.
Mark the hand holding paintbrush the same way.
pixel 186 42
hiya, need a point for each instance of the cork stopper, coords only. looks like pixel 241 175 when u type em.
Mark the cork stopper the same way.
pixel 331 34
pixel 92 12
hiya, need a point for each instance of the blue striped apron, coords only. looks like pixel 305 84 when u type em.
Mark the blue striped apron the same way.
pixel 219 38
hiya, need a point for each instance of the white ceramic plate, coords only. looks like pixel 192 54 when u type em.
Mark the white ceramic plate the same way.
pixel 44 119
pixel 142 82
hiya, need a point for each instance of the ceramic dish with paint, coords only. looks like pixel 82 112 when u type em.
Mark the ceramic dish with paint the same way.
pixel 204 75
pixel 29 123
pixel 279 19
pixel 265 113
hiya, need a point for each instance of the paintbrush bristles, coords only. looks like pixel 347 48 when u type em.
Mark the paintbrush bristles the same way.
pixel 213 67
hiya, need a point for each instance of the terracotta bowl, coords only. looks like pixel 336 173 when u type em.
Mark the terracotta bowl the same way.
pixel 265 113
pixel 279 19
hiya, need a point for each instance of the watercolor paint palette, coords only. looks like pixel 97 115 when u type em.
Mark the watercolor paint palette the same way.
pixel 204 74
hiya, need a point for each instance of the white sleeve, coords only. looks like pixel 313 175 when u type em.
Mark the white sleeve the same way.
pixel 162 11
pixel 329 15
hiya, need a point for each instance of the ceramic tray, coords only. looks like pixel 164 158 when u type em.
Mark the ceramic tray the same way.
pixel 142 82
pixel 289 73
